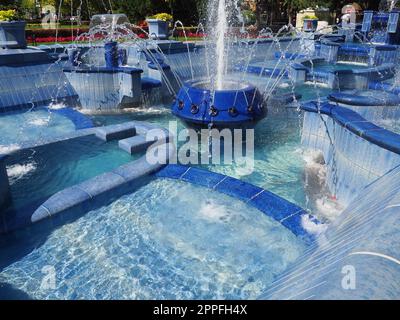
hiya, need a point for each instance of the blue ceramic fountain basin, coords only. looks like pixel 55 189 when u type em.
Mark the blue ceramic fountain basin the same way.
pixel 238 105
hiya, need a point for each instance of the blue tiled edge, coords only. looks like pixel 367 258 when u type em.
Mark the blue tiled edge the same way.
pixel 281 210
pixel 358 125
pixel 357 100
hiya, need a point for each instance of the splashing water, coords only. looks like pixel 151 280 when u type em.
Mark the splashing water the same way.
pixel 221 29
pixel 18 171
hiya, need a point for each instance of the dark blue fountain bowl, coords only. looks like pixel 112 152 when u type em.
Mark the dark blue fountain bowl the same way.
pixel 237 105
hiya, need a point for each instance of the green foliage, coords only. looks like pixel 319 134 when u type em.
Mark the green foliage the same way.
pixel 6 5
pixel 162 16
pixel 304 4
pixel 310 17
pixel 137 10
pixel 8 15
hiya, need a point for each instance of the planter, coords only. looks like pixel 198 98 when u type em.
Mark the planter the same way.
pixel 310 25
pixel 158 29
pixel 12 34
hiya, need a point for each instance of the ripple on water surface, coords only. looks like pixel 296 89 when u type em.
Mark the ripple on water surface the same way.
pixel 169 239
pixel 19 127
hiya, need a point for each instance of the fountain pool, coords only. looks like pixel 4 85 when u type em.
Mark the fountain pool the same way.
pixel 38 124
pixel 141 247
pixel 80 200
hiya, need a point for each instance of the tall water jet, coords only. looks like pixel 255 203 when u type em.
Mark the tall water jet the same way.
pixel 217 96
pixel 220 31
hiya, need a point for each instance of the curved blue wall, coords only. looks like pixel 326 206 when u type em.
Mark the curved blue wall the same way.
pixel 285 212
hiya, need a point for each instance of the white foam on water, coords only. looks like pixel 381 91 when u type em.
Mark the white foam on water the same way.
pixel 213 212
pixel 56 106
pixel 17 171
pixel 311 226
pixel 317 85
pixel 284 85
pixel 4 149
pixel 311 156
pixel 329 208
pixel 151 110
pixel 40 121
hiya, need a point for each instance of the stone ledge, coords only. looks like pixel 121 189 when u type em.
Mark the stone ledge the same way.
pixel 116 132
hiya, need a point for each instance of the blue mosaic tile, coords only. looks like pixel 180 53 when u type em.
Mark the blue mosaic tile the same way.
pixel 263 200
pixel 358 100
pixel 274 206
pixel 204 178
pixel 172 171
pixel 238 189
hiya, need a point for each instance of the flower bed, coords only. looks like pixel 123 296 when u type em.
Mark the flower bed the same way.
pixel 65 35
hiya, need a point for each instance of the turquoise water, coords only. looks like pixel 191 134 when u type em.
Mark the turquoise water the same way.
pixel 307 90
pixel 38 173
pixel 19 127
pixel 279 162
pixel 159 242
pixel 279 157
pixel 143 247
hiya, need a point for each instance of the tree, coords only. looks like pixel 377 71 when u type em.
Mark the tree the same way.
pixel 139 9
pixel 6 4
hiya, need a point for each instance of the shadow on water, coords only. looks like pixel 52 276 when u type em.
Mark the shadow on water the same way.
pixel 8 292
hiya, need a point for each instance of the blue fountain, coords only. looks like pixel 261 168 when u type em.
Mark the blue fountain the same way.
pixel 236 105
pixel 218 101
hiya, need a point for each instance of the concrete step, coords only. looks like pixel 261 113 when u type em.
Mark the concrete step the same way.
pixel 116 132
pixel 135 144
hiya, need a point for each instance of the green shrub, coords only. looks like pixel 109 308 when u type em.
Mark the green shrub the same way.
pixel 8 15
pixel 162 16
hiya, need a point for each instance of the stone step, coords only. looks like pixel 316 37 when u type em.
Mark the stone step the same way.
pixel 135 144
pixel 116 132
